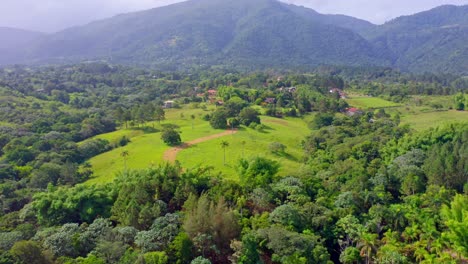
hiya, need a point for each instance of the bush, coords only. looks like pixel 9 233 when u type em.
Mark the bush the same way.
pixel 171 137
pixel 124 141
pixel 276 147
pixel 249 115
pixel 322 120
pixel 219 119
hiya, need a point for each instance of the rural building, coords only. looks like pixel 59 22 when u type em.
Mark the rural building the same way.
pixel 339 92
pixel 168 104
pixel 212 92
pixel 353 111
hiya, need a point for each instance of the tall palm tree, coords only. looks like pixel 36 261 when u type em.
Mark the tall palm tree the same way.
pixel 125 155
pixel 224 145
pixel 193 118
pixel 367 244
pixel 243 146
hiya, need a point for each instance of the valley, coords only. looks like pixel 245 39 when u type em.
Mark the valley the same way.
pixel 242 132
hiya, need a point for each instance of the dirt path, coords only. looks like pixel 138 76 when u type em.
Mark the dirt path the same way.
pixel 171 154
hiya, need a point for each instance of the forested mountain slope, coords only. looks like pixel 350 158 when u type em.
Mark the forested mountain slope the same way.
pixel 258 34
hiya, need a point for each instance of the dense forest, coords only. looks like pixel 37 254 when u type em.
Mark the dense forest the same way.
pixel 369 190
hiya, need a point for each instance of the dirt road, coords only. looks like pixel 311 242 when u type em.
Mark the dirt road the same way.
pixel 171 154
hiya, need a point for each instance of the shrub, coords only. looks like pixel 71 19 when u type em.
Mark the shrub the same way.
pixel 171 137
pixel 277 147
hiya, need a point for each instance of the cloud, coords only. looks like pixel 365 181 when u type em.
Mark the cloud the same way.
pixel 54 15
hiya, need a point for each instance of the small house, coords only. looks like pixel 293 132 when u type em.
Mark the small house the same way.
pixel 339 92
pixel 212 93
pixel 292 89
pixel 168 104
pixel 270 100
pixel 353 111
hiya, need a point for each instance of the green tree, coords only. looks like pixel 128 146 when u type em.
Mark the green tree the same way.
pixel 211 226
pixel 257 172
pixel 181 249
pixel 171 137
pixel 459 99
pixel 159 114
pixel 249 115
pixel 456 219
pixel 155 258
pixel 124 154
pixel 224 144
pixel 219 119
pixel 193 119
pixel 28 252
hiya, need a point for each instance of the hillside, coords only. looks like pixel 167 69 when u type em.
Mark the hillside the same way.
pixel 434 40
pixel 262 32
pixel 257 34
pixel 12 40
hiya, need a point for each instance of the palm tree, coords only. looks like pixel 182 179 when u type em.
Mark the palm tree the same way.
pixel 243 146
pixel 367 244
pixel 125 155
pixel 193 118
pixel 224 145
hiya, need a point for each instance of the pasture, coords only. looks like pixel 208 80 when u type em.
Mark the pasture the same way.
pixel 365 102
pixel 147 149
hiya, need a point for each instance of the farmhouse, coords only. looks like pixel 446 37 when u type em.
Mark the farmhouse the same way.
pixel 353 111
pixel 212 92
pixel 168 104
pixel 338 91
pixel 270 100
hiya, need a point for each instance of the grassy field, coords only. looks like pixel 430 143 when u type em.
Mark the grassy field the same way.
pixel 425 120
pixel 290 132
pixel 364 102
pixel 147 149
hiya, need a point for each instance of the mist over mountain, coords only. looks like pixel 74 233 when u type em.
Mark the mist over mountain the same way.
pixel 13 41
pixel 257 34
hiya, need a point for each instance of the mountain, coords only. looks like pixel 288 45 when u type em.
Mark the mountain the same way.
pixel 435 40
pixel 359 26
pixel 13 40
pixel 261 33
pixel 258 34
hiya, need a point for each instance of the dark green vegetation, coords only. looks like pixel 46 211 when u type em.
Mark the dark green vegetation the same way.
pixel 369 190
pixel 259 34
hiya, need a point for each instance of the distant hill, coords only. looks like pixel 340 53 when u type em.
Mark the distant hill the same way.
pixel 12 40
pixel 435 40
pixel 260 34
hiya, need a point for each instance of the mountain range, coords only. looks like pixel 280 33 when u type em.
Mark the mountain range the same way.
pixel 252 34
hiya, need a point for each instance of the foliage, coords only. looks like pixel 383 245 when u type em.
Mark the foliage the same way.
pixel 248 116
pixel 171 137
pixel 78 204
pixel 219 119
pixel 257 172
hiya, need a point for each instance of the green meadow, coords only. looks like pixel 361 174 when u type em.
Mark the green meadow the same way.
pixel 365 102
pixel 147 149
pixel 248 143
pixel 425 120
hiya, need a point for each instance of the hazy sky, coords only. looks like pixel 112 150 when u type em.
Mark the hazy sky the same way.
pixel 54 15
